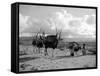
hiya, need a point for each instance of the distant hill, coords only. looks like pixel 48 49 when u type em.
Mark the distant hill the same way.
pixel 79 40
pixel 65 39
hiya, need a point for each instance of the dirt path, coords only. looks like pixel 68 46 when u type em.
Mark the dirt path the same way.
pixel 60 62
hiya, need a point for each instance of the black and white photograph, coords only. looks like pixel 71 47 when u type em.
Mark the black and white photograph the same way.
pixel 55 38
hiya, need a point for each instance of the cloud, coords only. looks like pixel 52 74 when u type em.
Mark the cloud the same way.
pixel 30 26
pixel 74 23
pixel 78 26
pixel 71 26
pixel 91 20
pixel 23 22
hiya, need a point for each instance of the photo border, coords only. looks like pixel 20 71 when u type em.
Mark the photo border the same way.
pixel 53 5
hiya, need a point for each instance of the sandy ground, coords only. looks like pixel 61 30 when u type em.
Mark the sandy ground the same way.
pixel 60 60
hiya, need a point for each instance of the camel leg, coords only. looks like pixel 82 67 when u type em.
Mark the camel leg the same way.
pixel 83 52
pixel 38 50
pixel 72 52
pixel 34 50
pixel 46 53
pixel 75 53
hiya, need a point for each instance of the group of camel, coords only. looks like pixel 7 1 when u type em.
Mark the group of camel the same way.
pixel 74 47
pixel 52 41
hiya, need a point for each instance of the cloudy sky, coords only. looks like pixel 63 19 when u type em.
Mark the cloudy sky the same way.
pixel 74 22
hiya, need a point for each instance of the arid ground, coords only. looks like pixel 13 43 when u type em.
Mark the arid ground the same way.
pixel 30 60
